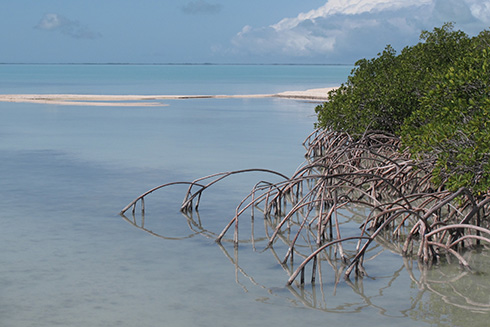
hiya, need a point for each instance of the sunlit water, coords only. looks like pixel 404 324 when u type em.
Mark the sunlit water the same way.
pixel 69 259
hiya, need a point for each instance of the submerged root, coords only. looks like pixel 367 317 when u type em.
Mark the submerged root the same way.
pixel 341 173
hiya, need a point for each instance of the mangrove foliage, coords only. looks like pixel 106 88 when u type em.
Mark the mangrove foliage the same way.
pixel 435 96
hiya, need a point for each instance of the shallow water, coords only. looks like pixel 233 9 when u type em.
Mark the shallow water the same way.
pixel 69 259
pixel 168 79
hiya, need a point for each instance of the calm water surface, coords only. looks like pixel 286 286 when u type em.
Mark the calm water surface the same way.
pixel 69 259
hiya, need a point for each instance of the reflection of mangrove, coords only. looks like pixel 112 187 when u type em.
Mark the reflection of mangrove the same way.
pixel 451 286
pixel 195 227
pixel 454 287
pixel 192 196
pixel 194 224
pixel 371 172
pixel 454 291
pixel 310 216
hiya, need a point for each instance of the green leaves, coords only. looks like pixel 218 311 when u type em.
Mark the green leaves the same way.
pixel 434 95
pixel 457 111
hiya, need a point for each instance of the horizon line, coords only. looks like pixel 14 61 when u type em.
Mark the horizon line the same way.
pixel 171 64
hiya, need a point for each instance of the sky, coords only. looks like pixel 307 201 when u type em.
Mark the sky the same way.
pixel 223 31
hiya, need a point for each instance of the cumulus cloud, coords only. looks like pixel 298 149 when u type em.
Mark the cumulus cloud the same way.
pixel 348 7
pixel 346 30
pixel 201 7
pixel 71 28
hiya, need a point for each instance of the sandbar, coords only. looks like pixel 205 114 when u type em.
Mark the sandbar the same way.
pixel 150 100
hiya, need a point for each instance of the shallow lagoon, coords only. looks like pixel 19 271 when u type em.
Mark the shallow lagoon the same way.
pixel 69 259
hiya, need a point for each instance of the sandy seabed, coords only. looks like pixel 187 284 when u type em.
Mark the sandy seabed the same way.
pixel 149 100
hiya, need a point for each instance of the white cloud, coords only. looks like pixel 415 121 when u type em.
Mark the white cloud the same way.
pixel 480 10
pixel 74 29
pixel 49 22
pixel 346 30
pixel 348 7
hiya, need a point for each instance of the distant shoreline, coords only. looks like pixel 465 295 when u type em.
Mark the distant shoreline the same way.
pixel 167 64
pixel 144 100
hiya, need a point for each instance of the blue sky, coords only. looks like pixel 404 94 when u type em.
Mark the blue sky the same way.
pixel 222 31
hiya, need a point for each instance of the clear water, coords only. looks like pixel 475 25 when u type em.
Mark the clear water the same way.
pixel 69 259
pixel 167 79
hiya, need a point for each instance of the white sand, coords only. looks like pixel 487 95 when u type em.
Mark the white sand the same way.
pixel 312 94
pixel 143 100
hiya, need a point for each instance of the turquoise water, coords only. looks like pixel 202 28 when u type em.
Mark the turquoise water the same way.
pixel 69 259
pixel 167 79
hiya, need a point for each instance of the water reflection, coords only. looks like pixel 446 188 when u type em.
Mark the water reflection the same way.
pixel 439 295
pixel 455 287
pixel 195 226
